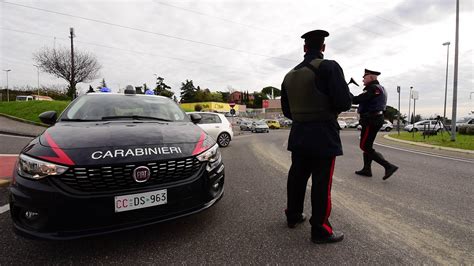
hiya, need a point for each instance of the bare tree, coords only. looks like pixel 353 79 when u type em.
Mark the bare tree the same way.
pixel 58 63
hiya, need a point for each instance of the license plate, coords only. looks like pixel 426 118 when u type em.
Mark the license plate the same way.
pixel 140 200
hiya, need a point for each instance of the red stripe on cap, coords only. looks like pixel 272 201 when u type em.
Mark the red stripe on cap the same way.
pixel 199 146
pixel 62 157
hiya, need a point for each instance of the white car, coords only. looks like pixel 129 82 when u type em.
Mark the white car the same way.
pixel 424 125
pixel 217 126
pixel 342 123
pixel 387 126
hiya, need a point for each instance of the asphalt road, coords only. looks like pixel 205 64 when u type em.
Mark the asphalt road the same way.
pixel 422 215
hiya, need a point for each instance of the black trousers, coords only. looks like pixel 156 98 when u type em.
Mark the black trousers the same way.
pixel 321 171
pixel 370 127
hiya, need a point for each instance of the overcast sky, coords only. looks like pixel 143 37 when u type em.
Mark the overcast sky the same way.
pixel 248 45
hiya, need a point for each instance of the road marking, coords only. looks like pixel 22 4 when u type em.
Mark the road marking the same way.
pixel 4 208
pixel 426 153
pixel 16 136
pixel 9 155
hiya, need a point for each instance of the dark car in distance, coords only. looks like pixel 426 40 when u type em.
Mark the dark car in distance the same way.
pixel 112 162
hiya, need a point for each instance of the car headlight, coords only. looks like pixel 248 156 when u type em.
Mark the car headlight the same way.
pixel 212 156
pixel 36 169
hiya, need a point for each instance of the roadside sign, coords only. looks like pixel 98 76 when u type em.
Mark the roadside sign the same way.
pixel 231 105
pixel 265 103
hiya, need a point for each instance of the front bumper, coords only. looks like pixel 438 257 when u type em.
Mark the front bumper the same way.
pixel 63 215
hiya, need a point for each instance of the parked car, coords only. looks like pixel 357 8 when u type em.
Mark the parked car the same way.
pixel 424 125
pixel 113 162
pixel 353 124
pixel 387 126
pixel 217 126
pixel 245 125
pixel 464 122
pixel 259 126
pixel 24 98
pixel 273 124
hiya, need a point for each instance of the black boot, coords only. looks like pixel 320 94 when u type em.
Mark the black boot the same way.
pixel 389 168
pixel 367 170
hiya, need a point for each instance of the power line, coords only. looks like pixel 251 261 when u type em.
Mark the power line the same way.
pixel 134 51
pixel 149 32
pixel 215 17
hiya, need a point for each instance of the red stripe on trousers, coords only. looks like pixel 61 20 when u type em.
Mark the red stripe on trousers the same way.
pixel 328 207
pixel 364 139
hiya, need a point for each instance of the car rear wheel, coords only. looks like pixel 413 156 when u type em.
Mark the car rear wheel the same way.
pixel 223 139
pixel 388 129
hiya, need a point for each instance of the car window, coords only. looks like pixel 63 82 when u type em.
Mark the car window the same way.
pixel 209 119
pixel 96 107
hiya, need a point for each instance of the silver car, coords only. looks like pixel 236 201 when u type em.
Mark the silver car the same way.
pixel 425 125
pixel 260 126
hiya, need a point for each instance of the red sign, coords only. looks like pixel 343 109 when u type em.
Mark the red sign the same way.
pixel 265 103
pixel 232 105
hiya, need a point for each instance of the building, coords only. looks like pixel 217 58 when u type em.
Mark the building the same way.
pixel 238 97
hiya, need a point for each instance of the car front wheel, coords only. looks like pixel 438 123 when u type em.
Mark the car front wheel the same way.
pixel 388 129
pixel 223 139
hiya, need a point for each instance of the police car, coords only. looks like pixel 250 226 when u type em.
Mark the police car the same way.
pixel 111 162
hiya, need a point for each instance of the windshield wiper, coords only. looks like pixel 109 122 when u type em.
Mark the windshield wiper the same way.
pixel 78 120
pixel 135 117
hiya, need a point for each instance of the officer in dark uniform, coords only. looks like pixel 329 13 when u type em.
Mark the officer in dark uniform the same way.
pixel 313 94
pixel 372 102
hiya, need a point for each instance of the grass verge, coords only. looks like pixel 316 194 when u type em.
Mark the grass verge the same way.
pixel 465 142
pixel 30 110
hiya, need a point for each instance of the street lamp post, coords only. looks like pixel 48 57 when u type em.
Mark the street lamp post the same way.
pixel 446 84
pixel 455 78
pixel 409 105
pixel 37 68
pixel 398 90
pixel 8 95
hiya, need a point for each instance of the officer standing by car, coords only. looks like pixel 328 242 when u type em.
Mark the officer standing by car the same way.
pixel 313 94
pixel 372 103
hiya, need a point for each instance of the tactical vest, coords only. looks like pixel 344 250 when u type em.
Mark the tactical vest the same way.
pixel 376 104
pixel 307 102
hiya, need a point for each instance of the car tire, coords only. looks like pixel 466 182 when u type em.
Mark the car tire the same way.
pixel 388 129
pixel 223 139
pixel 415 129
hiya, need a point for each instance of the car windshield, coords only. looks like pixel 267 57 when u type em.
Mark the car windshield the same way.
pixel 463 120
pixel 99 107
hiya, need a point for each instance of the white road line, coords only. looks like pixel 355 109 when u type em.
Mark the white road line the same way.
pixel 426 153
pixel 9 155
pixel 16 136
pixel 4 208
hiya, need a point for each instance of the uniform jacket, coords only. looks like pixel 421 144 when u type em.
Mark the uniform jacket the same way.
pixel 319 138
pixel 373 99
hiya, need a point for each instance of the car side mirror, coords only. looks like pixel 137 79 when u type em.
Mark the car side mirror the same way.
pixel 48 117
pixel 195 118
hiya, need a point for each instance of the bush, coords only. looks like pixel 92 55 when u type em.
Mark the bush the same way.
pixel 197 107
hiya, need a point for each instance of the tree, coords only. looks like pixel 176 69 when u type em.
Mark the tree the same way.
pixel 268 91
pixel 188 91
pixel 391 113
pixel 58 63
pixel 163 89
pixel 103 84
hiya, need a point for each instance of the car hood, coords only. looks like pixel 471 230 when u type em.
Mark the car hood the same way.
pixel 83 143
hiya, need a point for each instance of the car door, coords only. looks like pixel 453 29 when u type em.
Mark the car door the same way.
pixel 210 123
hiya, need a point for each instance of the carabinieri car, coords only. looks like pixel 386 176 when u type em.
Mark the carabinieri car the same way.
pixel 112 162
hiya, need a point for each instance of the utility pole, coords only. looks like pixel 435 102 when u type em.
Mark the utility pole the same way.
pixel 72 85
pixel 446 84
pixel 8 95
pixel 398 90
pixel 37 68
pixel 455 83
pixel 409 105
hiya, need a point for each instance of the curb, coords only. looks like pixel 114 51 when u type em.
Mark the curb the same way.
pixel 4 182
pixel 23 120
pixel 429 146
pixel 18 134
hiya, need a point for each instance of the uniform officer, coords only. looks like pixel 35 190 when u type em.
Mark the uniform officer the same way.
pixel 372 102
pixel 313 94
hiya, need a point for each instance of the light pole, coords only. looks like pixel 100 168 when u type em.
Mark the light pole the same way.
pixel 409 105
pixel 446 84
pixel 455 79
pixel 398 90
pixel 37 68
pixel 8 95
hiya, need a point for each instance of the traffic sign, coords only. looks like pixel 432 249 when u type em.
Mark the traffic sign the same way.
pixel 232 105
